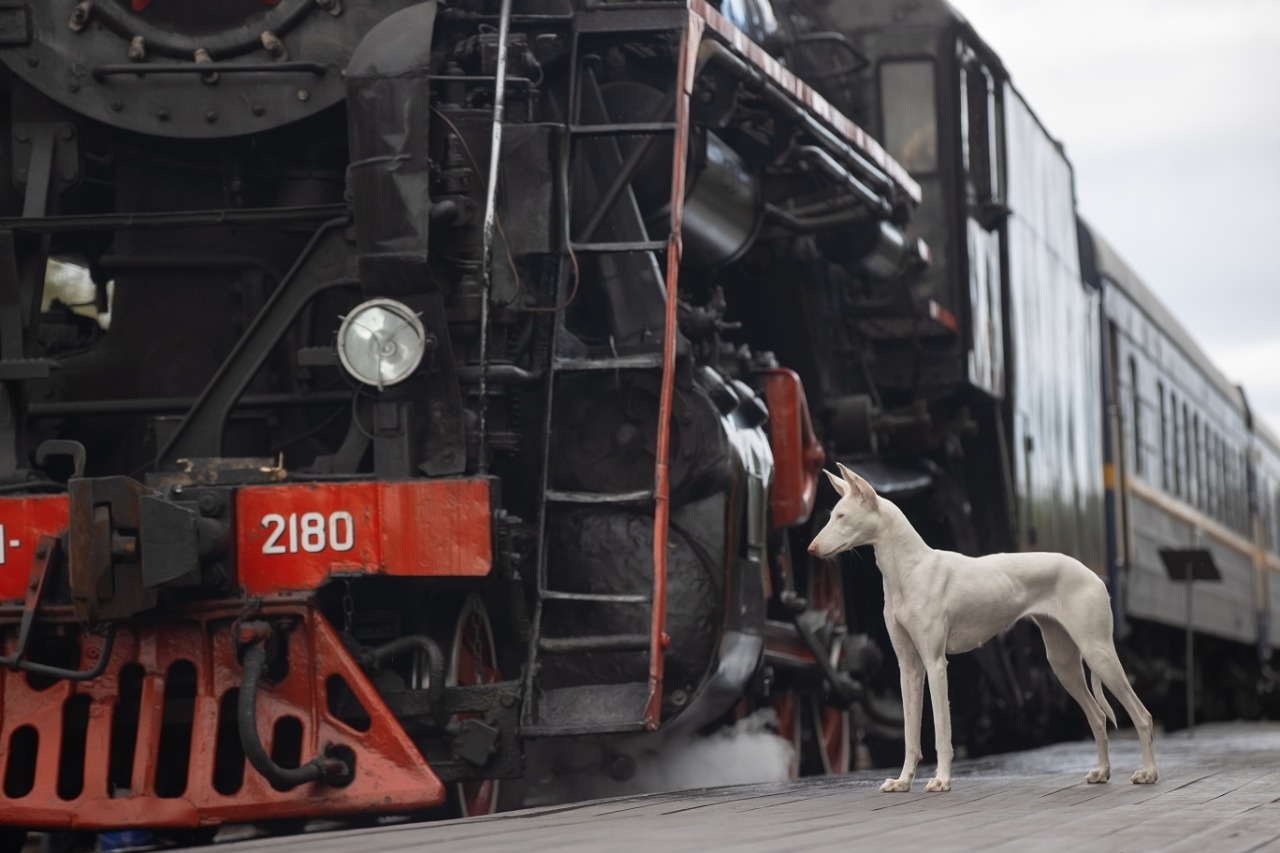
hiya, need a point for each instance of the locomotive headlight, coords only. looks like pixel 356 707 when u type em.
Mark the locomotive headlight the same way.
pixel 381 342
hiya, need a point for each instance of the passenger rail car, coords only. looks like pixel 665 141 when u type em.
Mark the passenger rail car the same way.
pixel 1192 468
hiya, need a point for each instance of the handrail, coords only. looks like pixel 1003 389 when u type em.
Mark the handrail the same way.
pixel 658 638
pixel 490 220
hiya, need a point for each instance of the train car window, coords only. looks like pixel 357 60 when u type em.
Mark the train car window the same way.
pixel 1136 401
pixel 907 99
pixel 1237 489
pixel 1195 455
pixel 1164 438
pixel 1225 503
pixel 1177 457
pixel 1210 473
pixel 1242 501
pixel 1186 453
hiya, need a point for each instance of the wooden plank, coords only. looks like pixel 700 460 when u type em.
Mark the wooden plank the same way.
pixel 1218 791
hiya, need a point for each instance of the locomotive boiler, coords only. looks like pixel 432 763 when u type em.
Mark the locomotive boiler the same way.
pixel 450 375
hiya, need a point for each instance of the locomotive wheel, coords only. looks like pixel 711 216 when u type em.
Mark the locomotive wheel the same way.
pixel 473 659
pixel 827 744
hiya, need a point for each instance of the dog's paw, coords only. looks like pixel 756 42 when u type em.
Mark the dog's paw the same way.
pixel 1145 776
pixel 895 786
pixel 1099 776
pixel 937 786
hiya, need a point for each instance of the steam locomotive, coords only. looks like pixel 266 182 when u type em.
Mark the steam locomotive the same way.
pixel 453 376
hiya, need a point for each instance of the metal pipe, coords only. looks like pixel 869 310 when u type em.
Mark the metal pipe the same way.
pixel 165 262
pixel 814 224
pixel 102 72
pixel 711 50
pixel 58 672
pixel 816 156
pixel 375 658
pixel 317 769
pixel 500 374
pixel 170 219
pixel 490 219
pixel 162 405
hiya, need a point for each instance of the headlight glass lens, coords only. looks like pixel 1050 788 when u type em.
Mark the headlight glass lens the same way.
pixel 381 342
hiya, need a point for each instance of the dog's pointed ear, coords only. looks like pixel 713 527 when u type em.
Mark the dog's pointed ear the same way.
pixel 858 486
pixel 842 488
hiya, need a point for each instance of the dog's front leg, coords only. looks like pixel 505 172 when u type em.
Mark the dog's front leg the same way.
pixel 911 669
pixel 937 669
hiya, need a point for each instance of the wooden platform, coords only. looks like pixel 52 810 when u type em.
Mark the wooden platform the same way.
pixel 1219 791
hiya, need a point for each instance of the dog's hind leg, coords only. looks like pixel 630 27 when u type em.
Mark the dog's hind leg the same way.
pixel 1089 624
pixel 912 680
pixel 1064 657
pixel 1103 660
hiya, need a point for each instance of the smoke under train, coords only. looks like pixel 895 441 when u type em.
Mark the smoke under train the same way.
pixel 456 375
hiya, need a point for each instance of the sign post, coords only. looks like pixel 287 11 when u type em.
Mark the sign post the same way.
pixel 1188 565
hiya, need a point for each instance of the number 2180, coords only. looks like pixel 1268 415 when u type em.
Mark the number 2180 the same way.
pixel 311 532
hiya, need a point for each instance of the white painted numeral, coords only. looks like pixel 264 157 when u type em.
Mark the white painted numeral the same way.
pixel 348 539
pixel 311 532
pixel 272 545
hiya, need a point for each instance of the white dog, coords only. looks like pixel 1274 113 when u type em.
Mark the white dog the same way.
pixel 938 603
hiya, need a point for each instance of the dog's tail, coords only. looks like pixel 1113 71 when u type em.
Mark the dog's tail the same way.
pixel 1101 699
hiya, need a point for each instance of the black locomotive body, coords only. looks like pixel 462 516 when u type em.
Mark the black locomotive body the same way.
pixel 403 420
pixel 388 386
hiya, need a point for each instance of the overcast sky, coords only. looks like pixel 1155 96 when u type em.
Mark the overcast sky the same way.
pixel 1170 113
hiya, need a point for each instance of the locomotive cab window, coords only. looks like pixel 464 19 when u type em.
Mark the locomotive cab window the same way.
pixel 979 138
pixel 910 118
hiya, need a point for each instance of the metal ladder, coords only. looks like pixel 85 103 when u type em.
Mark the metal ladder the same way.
pixel 627 706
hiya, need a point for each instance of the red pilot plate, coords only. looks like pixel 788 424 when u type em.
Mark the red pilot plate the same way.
pixel 293 537
pixel 22 522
